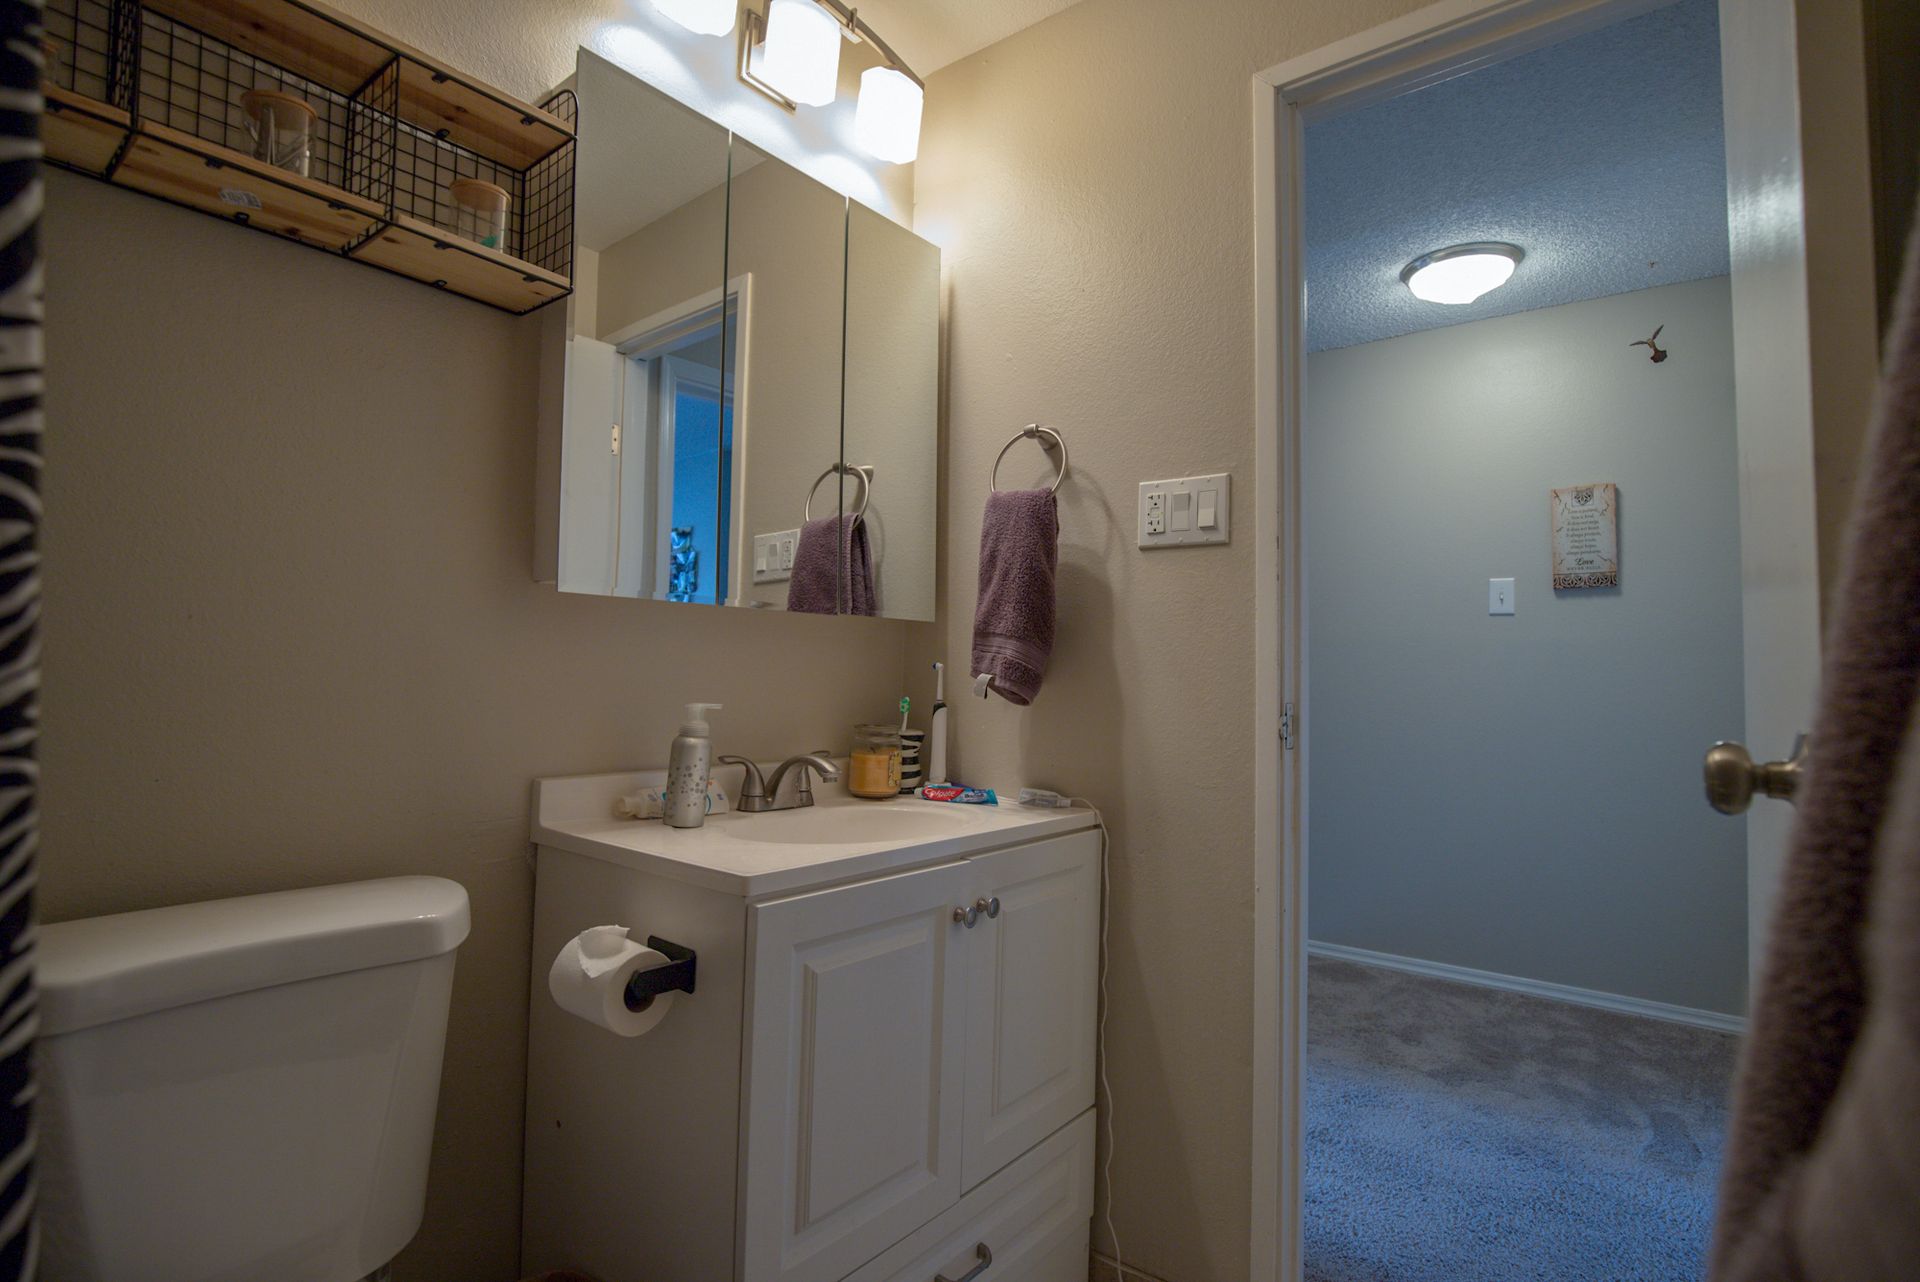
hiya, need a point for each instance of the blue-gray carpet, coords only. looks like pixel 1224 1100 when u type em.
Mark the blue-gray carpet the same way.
pixel 1462 1134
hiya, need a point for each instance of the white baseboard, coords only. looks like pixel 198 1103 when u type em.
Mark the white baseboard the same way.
pixel 1535 988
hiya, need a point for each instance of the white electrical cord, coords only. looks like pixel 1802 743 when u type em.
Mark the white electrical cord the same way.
pixel 1106 920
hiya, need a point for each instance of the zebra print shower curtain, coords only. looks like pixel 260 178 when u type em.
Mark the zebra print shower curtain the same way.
pixel 20 387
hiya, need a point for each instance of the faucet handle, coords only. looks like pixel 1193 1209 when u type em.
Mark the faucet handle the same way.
pixel 755 785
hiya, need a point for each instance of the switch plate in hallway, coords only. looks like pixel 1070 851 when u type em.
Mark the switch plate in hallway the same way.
pixel 1499 596
pixel 1183 512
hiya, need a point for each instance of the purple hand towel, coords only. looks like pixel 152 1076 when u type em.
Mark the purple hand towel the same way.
pixel 1013 620
pixel 818 584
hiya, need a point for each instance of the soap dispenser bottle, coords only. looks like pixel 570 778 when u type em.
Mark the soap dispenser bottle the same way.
pixel 688 765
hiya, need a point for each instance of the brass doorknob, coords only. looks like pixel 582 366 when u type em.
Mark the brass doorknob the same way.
pixel 1733 778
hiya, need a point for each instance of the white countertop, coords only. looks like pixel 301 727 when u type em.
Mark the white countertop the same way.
pixel 746 855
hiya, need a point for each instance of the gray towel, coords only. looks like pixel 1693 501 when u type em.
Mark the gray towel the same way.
pixel 833 569
pixel 1013 620
pixel 1822 1177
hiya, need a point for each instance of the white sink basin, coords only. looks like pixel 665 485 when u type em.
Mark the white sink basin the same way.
pixel 855 825
pixel 781 852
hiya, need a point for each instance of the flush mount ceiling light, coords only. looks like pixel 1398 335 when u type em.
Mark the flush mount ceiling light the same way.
pixel 1461 273
pixel 791 53
pixel 703 17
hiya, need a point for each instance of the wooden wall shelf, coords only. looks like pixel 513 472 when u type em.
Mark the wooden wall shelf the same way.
pixel 423 252
pixel 81 133
pixel 394 127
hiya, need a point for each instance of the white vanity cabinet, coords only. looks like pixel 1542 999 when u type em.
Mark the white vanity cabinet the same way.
pixel 883 1078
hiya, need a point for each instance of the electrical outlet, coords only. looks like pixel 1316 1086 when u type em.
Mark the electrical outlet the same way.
pixel 773 556
pixel 1183 512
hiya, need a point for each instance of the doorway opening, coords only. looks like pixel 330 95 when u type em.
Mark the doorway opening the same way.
pixel 1509 574
pixel 650 467
pixel 1527 933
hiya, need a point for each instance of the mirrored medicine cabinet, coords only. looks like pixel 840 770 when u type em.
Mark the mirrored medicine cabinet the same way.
pixel 746 350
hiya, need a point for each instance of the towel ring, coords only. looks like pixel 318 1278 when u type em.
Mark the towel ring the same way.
pixel 1036 432
pixel 862 474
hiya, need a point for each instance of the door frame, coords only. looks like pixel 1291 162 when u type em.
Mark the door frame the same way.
pixel 1432 44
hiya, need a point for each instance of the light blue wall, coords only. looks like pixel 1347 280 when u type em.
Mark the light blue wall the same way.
pixel 1522 794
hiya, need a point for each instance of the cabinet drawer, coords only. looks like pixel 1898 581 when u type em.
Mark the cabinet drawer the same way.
pixel 1034 1217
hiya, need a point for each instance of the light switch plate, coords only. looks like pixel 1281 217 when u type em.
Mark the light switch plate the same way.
pixel 1171 511
pixel 1499 596
pixel 773 556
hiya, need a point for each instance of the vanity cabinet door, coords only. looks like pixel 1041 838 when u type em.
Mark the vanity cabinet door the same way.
pixel 855 1019
pixel 1032 998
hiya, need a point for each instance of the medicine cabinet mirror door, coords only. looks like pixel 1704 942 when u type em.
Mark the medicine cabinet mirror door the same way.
pixel 646 464
pixel 746 348
pixel 786 244
pixel 892 389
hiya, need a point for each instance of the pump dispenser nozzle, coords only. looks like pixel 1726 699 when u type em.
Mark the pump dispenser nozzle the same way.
pixel 695 721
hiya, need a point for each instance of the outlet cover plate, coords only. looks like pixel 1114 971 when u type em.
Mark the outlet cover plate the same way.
pixel 1157 505
pixel 773 556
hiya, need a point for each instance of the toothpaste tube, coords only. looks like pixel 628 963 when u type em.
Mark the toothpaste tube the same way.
pixel 964 796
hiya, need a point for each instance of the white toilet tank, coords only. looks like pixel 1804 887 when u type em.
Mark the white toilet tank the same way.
pixel 243 1090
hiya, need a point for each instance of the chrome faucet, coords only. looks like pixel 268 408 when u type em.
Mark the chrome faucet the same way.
pixel 757 793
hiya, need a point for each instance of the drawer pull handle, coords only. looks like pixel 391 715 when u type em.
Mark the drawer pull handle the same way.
pixel 988 907
pixel 986 1261
pixel 966 916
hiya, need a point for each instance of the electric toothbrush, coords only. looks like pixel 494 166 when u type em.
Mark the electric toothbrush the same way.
pixel 937 730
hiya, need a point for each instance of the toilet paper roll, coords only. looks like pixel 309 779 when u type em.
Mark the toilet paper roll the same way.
pixel 589 979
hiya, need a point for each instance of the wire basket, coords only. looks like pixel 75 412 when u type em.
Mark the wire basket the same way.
pixel 169 76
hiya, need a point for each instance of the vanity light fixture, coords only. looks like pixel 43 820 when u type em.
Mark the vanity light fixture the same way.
pixel 1461 273
pixel 791 53
pixel 886 123
pixel 800 57
pixel 702 17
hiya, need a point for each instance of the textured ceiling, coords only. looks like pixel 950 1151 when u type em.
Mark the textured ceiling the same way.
pixel 929 34
pixel 1601 157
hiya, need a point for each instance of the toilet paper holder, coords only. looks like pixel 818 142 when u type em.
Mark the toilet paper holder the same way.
pixel 674 977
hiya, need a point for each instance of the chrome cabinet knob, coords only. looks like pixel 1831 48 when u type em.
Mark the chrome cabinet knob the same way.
pixel 990 907
pixel 965 916
pixel 1733 777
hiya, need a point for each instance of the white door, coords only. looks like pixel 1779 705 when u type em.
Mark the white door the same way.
pixel 855 1053
pixel 590 467
pixel 1032 998
pixel 1777 381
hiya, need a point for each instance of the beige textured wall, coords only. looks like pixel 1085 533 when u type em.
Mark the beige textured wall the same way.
pixel 1090 184
pixel 292 635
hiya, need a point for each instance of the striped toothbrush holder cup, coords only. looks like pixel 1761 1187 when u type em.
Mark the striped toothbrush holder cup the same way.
pixel 913 771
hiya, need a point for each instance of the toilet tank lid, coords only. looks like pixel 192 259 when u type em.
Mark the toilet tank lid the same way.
pixel 103 969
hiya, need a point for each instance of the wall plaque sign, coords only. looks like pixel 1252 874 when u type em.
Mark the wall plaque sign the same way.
pixel 1586 538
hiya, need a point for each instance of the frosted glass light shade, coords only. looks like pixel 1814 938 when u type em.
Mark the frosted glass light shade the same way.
pixel 886 123
pixel 1462 273
pixel 801 57
pixel 703 17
